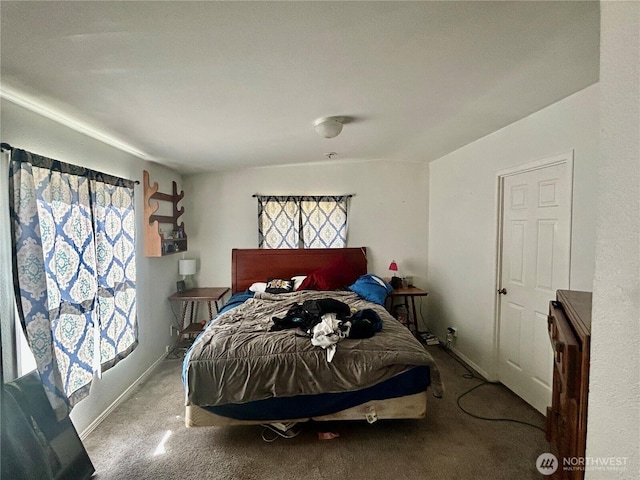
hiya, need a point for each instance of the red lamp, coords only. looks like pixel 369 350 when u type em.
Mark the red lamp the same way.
pixel 393 266
pixel 396 282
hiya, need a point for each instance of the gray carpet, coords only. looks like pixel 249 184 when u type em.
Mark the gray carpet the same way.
pixel 447 444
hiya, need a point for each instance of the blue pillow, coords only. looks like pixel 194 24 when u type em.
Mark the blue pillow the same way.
pixel 372 287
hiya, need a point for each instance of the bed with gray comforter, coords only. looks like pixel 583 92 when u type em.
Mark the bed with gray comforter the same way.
pixel 238 360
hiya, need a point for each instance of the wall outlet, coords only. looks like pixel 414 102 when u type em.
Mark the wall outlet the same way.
pixel 167 349
pixel 452 333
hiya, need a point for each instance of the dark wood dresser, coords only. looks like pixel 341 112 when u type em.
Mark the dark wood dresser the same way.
pixel 569 325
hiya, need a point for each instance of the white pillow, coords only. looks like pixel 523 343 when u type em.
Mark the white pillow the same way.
pixel 297 281
pixel 258 287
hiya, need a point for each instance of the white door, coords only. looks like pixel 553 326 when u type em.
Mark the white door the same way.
pixel 536 242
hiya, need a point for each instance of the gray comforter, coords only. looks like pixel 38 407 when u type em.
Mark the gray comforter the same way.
pixel 237 360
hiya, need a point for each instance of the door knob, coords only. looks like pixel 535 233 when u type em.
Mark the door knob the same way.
pixel 502 291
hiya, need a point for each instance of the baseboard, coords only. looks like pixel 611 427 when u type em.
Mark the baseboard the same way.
pixel 93 425
pixel 470 363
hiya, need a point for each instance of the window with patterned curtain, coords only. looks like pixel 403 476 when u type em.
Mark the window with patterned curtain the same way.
pixel 73 232
pixel 324 221
pixel 278 222
pixel 302 221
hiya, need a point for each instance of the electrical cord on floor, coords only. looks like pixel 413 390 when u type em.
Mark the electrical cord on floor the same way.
pixel 471 375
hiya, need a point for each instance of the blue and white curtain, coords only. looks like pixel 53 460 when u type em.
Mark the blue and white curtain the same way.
pixel 302 221
pixel 324 221
pixel 278 222
pixel 74 271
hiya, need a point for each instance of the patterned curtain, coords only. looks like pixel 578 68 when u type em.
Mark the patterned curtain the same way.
pixel 278 222
pixel 74 271
pixel 114 218
pixel 302 221
pixel 324 221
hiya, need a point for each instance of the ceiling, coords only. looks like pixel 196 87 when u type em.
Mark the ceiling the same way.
pixel 202 86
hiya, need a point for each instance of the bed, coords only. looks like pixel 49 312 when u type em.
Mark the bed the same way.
pixel 240 371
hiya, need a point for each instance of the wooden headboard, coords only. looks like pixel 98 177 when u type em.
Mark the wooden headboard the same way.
pixel 257 265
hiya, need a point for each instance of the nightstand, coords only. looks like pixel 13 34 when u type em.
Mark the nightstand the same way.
pixel 409 295
pixel 190 298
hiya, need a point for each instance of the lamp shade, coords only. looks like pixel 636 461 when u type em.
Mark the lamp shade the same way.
pixel 187 266
pixel 328 127
pixel 393 266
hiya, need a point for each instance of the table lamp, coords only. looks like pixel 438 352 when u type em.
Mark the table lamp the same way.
pixel 396 282
pixel 186 267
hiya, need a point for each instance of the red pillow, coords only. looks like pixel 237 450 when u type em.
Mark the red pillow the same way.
pixel 339 273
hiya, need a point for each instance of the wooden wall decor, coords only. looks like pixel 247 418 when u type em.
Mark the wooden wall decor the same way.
pixel 155 245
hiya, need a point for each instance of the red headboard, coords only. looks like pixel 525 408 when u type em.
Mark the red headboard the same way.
pixel 257 265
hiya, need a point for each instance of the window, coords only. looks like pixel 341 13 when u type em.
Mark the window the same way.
pixel 302 221
pixel 73 233
pixel 7 306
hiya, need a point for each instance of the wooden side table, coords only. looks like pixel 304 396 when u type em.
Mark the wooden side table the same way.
pixel 190 298
pixel 409 295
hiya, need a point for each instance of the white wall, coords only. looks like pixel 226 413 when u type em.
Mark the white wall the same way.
pixel 613 424
pixel 155 277
pixel 388 213
pixel 463 217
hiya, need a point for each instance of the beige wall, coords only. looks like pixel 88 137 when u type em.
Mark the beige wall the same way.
pixel 463 217
pixel 613 424
pixel 388 213
pixel 155 277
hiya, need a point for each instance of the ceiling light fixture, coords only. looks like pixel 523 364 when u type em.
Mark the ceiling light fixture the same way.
pixel 329 127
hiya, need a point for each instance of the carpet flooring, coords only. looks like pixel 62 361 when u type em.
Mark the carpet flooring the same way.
pixel 145 438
